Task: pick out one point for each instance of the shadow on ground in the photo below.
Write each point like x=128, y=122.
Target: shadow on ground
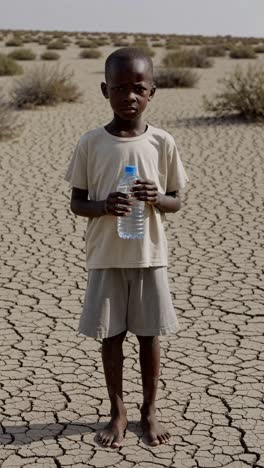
x=21, y=435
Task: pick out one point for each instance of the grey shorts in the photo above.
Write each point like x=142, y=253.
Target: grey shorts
x=134, y=299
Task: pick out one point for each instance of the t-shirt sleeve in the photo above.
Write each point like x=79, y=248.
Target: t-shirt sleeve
x=76, y=173
x=177, y=177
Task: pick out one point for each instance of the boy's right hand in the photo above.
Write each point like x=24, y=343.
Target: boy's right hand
x=118, y=204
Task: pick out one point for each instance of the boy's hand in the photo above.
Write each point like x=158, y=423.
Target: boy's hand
x=118, y=204
x=146, y=190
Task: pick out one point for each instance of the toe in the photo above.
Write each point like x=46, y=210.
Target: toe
x=117, y=442
x=154, y=442
x=105, y=440
x=110, y=441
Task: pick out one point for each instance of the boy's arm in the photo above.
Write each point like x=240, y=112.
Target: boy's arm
x=81, y=206
x=116, y=204
x=168, y=203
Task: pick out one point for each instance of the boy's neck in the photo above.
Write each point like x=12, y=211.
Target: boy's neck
x=126, y=128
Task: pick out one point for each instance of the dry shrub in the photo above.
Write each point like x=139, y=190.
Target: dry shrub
x=146, y=49
x=121, y=44
x=175, y=78
x=85, y=44
x=50, y=55
x=140, y=43
x=172, y=44
x=56, y=45
x=242, y=52
x=259, y=49
x=28, y=39
x=22, y=54
x=102, y=41
x=88, y=44
x=43, y=41
x=242, y=94
x=214, y=50
x=44, y=86
x=187, y=58
x=14, y=42
x=157, y=44
x=9, y=67
x=8, y=120
x=90, y=54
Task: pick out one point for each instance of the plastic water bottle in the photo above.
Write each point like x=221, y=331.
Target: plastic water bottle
x=132, y=225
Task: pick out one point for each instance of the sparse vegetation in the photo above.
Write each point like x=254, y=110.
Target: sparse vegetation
x=85, y=44
x=187, y=58
x=9, y=67
x=50, y=55
x=172, y=44
x=214, y=50
x=259, y=49
x=175, y=78
x=242, y=52
x=44, y=86
x=102, y=41
x=157, y=44
x=147, y=50
x=14, y=42
x=242, y=94
x=121, y=44
x=22, y=54
x=56, y=45
x=90, y=54
x=8, y=120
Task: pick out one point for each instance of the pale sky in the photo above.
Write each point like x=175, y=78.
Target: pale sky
x=207, y=17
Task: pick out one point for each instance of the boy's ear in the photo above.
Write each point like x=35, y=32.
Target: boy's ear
x=152, y=92
x=104, y=90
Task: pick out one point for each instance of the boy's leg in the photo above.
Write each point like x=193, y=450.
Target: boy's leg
x=149, y=355
x=112, y=356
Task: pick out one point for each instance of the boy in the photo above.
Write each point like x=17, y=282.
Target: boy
x=127, y=287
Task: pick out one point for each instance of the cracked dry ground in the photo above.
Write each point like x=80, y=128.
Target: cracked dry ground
x=52, y=390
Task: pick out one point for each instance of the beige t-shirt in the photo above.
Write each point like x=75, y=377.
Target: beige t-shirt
x=97, y=165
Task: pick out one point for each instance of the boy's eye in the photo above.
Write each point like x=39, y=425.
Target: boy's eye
x=140, y=89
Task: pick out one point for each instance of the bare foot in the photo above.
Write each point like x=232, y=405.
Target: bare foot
x=113, y=433
x=154, y=432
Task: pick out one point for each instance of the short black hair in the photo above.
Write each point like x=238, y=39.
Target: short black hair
x=125, y=55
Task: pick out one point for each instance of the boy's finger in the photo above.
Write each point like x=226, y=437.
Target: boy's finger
x=139, y=188
x=144, y=182
x=120, y=195
x=146, y=193
x=124, y=201
x=118, y=212
x=121, y=207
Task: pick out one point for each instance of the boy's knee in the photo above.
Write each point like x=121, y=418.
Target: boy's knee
x=147, y=340
x=115, y=340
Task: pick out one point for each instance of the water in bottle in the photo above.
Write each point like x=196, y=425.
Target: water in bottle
x=132, y=225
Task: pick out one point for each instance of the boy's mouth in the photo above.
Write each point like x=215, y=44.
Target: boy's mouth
x=128, y=109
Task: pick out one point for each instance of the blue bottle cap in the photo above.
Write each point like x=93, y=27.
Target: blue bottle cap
x=131, y=170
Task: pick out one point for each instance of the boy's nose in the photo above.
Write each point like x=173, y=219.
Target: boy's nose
x=130, y=97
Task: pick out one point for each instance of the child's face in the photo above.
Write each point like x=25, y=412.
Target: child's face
x=129, y=88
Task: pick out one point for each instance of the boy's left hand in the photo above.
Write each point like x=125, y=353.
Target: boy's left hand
x=146, y=190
